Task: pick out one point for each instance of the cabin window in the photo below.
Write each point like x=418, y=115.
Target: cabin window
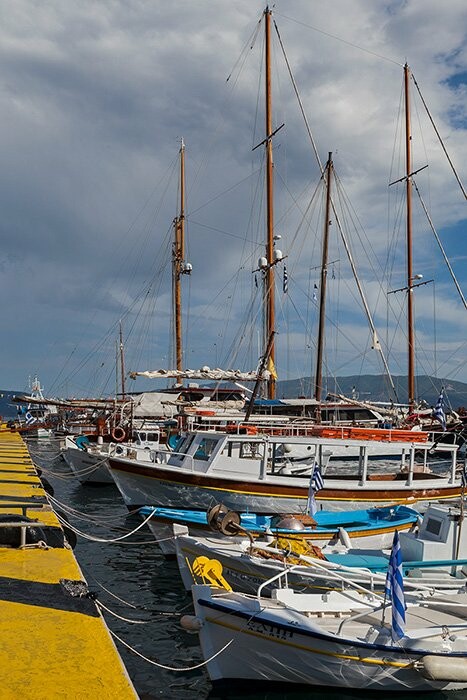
x=205, y=448
x=142, y=437
x=251, y=450
x=184, y=444
x=433, y=526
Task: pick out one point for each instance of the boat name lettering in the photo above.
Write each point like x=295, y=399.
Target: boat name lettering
x=269, y=630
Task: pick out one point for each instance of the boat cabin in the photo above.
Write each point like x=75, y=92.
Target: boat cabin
x=440, y=536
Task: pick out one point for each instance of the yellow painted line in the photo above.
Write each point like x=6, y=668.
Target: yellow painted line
x=321, y=652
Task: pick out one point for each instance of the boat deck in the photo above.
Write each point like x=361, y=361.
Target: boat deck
x=53, y=641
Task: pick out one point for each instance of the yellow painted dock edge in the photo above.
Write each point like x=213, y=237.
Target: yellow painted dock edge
x=53, y=641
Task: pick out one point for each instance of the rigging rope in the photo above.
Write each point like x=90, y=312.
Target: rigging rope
x=440, y=139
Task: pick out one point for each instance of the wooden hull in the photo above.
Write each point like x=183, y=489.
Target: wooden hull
x=174, y=487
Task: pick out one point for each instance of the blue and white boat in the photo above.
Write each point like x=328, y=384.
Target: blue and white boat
x=369, y=528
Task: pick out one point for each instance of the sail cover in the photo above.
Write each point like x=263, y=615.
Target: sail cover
x=223, y=375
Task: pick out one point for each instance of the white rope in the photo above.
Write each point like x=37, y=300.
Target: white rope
x=125, y=602
x=119, y=617
x=100, y=539
x=80, y=515
x=171, y=668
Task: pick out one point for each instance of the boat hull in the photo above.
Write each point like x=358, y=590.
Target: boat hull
x=278, y=649
x=88, y=468
x=173, y=487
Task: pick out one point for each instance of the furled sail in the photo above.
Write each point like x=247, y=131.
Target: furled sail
x=203, y=373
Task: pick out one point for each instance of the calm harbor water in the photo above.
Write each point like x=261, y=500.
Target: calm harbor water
x=135, y=571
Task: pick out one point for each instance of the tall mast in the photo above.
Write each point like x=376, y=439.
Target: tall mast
x=410, y=278
x=122, y=362
x=269, y=277
x=178, y=257
x=322, y=293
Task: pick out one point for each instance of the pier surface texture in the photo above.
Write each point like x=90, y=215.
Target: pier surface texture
x=54, y=643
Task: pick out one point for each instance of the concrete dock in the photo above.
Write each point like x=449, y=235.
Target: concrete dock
x=54, y=643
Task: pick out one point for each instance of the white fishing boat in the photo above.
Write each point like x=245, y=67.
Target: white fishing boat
x=338, y=639
x=88, y=459
x=251, y=473
x=433, y=555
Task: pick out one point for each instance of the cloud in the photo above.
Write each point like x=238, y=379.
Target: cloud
x=94, y=100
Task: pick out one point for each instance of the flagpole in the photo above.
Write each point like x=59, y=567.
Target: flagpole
x=461, y=513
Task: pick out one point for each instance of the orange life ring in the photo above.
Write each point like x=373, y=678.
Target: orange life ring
x=118, y=434
x=248, y=429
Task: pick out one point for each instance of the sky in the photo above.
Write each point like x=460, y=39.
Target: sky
x=94, y=101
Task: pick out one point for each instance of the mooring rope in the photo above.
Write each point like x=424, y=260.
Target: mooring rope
x=171, y=668
x=100, y=539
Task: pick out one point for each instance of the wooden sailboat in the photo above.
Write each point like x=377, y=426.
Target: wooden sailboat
x=241, y=464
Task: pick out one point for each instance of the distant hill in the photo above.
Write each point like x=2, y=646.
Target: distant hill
x=371, y=387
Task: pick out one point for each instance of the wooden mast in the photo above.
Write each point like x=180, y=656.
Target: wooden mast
x=410, y=278
x=178, y=257
x=269, y=276
x=122, y=362
x=322, y=291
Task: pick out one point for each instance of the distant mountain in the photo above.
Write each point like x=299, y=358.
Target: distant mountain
x=369, y=387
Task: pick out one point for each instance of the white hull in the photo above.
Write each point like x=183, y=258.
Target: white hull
x=280, y=645
x=172, y=487
x=88, y=468
x=245, y=572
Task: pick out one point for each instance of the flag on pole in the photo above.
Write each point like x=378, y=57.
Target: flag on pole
x=285, y=284
x=271, y=368
x=394, y=589
x=29, y=418
x=315, y=295
x=316, y=484
x=438, y=411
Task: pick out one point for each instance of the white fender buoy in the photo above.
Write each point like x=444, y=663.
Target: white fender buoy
x=443, y=668
x=344, y=538
x=191, y=623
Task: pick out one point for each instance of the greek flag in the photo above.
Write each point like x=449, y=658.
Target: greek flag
x=394, y=589
x=316, y=484
x=438, y=411
x=29, y=418
x=285, y=284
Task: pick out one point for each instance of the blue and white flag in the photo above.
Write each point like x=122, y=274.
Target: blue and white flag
x=316, y=484
x=394, y=589
x=29, y=418
x=285, y=284
x=438, y=411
